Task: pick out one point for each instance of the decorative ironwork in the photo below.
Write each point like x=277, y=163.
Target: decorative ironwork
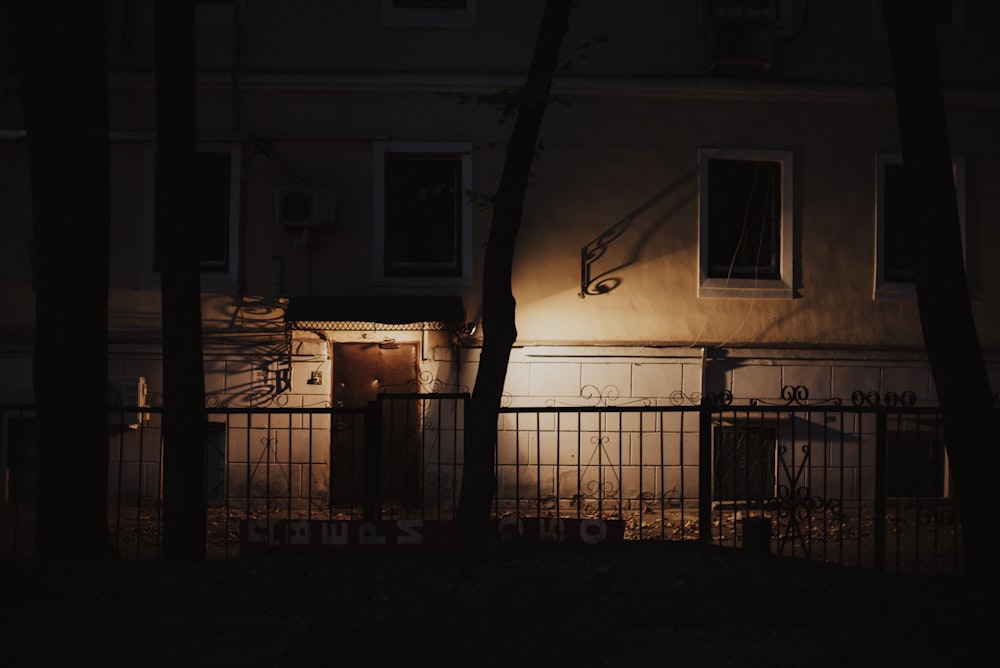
x=796, y=395
x=722, y=398
x=669, y=499
x=269, y=461
x=905, y=399
x=607, y=396
x=596, y=496
x=794, y=505
x=425, y=383
x=796, y=512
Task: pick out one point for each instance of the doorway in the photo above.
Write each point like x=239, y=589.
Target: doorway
x=390, y=472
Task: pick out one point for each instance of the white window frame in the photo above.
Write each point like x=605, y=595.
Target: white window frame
x=425, y=284
x=898, y=289
x=429, y=17
x=782, y=288
x=211, y=281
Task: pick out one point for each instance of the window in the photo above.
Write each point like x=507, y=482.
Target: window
x=216, y=212
x=429, y=13
x=744, y=463
x=915, y=465
x=895, y=246
x=745, y=241
x=423, y=220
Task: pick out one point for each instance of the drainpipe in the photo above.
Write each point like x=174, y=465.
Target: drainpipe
x=237, y=125
x=307, y=243
x=4, y=458
x=704, y=458
x=704, y=370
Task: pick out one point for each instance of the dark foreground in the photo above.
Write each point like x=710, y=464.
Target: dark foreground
x=626, y=605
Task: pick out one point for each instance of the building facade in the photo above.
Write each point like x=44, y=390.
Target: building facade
x=716, y=205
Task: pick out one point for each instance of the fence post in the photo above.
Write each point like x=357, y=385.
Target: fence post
x=705, y=470
x=371, y=509
x=4, y=455
x=881, y=449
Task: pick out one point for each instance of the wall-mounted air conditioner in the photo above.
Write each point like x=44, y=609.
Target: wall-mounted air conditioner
x=305, y=207
x=125, y=396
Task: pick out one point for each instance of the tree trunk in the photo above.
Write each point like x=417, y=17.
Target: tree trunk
x=499, y=329
x=59, y=49
x=184, y=428
x=971, y=426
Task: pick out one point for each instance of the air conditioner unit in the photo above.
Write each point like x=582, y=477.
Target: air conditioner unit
x=305, y=207
x=125, y=395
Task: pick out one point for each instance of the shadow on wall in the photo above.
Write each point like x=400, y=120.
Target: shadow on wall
x=605, y=281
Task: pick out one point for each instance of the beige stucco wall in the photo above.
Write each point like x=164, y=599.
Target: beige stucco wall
x=625, y=147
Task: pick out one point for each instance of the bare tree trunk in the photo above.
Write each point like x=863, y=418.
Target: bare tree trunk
x=63, y=84
x=499, y=329
x=184, y=428
x=971, y=426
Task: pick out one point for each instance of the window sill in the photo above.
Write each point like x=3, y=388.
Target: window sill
x=744, y=288
x=896, y=291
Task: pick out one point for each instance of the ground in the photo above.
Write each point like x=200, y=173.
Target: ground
x=626, y=605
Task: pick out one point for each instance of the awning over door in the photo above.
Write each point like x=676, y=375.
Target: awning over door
x=376, y=312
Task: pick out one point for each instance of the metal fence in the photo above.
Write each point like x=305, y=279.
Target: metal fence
x=865, y=484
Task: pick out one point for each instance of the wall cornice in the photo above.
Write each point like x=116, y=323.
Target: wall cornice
x=666, y=88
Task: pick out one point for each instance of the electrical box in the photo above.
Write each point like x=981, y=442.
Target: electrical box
x=311, y=368
x=125, y=396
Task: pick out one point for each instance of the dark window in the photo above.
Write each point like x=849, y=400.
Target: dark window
x=744, y=219
x=211, y=210
x=423, y=215
x=915, y=466
x=899, y=245
x=744, y=463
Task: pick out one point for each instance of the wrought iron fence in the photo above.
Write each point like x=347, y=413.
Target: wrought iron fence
x=862, y=484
